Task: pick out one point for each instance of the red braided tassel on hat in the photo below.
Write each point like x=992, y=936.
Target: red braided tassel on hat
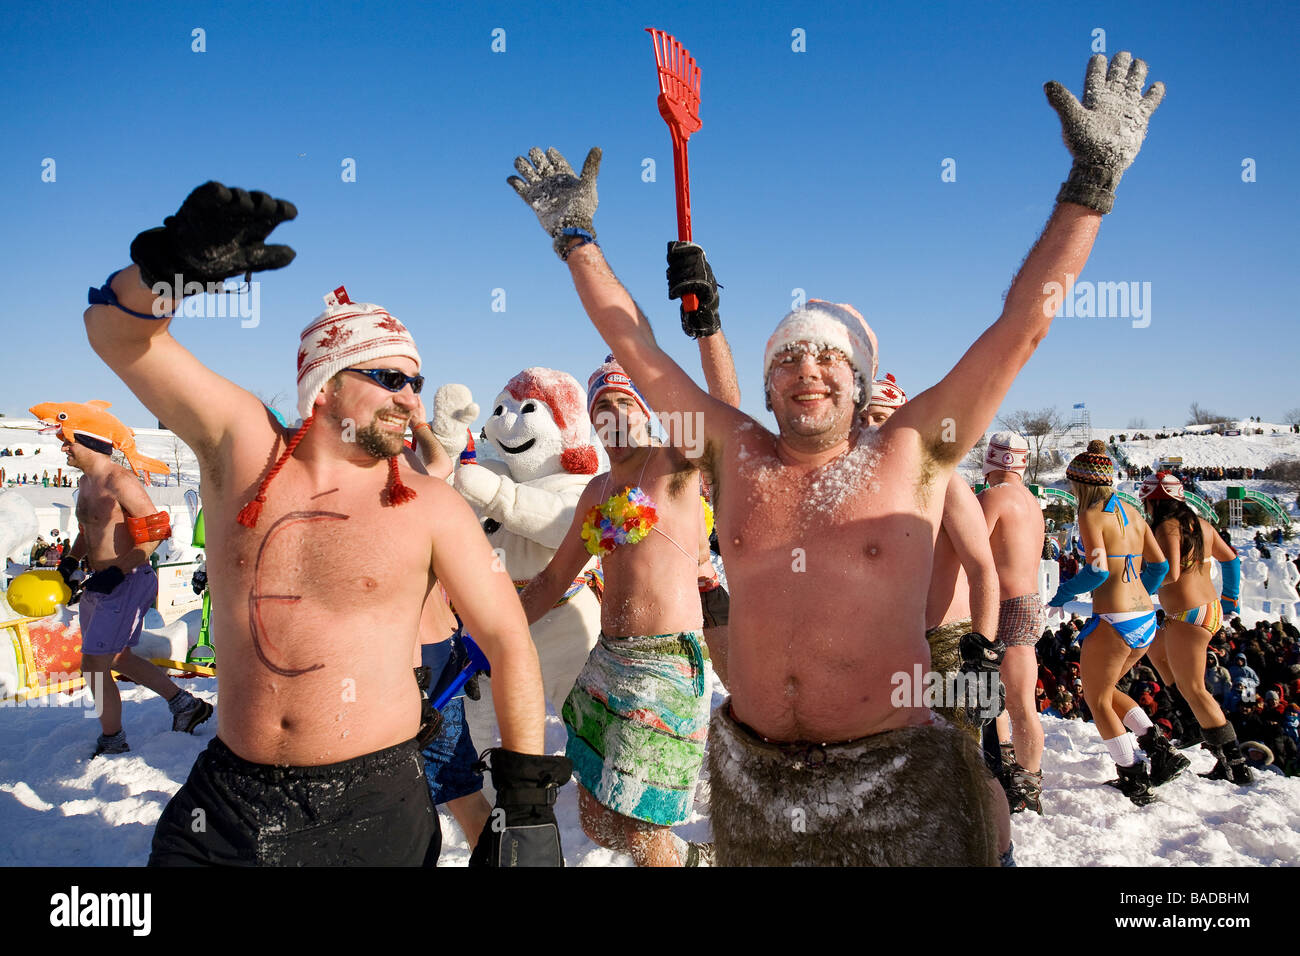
x=249, y=514
x=398, y=493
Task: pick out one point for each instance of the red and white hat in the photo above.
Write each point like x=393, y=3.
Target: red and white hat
x=564, y=397
x=887, y=393
x=1161, y=485
x=828, y=325
x=1007, y=451
x=347, y=333
x=343, y=335
x=611, y=377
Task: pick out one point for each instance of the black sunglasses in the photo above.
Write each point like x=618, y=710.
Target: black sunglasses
x=391, y=378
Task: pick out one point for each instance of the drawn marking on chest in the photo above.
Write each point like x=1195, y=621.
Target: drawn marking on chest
x=255, y=598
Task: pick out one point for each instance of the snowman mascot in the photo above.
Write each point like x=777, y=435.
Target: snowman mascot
x=540, y=428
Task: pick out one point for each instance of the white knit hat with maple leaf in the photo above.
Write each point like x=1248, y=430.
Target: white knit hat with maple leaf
x=347, y=333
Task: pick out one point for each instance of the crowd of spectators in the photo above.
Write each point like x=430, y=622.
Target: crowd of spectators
x=1254, y=674
x=47, y=554
x=44, y=479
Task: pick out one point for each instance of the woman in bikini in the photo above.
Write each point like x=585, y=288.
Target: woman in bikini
x=1193, y=613
x=638, y=715
x=1123, y=622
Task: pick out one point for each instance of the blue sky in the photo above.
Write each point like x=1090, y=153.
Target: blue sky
x=817, y=170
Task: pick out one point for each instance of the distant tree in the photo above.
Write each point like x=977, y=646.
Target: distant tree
x=1037, y=427
x=1136, y=424
x=178, y=448
x=274, y=401
x=1286, y=471
x=975, y=457
x=1196, y=415
x=1290, y=417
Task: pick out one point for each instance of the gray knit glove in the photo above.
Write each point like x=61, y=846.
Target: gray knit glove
x=1105, y=132
x=564, y=202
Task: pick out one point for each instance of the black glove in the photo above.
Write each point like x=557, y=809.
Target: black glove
x=978, y=653
x=217, y=233
x=472, y=689
x=430, y=717
x=199, y=582
x=522, y=830
x=980, y=657
x=104, y=582
x=689, y=273
x=67, y=568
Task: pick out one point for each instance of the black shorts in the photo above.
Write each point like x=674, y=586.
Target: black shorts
x=373, y=810
x=715, y=603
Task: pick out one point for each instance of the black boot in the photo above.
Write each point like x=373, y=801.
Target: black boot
x=1230, y=764
x=1025, y=791
x=1135, y=783
x=1192, y=733
x=1166, y=762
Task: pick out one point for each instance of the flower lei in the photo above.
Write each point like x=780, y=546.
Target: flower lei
x=625, y=518
x=708, y=515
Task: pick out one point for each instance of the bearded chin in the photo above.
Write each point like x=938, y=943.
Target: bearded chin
x=379, y=443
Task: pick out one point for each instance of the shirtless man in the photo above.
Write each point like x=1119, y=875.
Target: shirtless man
x=962, y=604
x=324, y=571
x=119, y=529
x=639, y=710
x=1015, y=530
x=963, y=581
x=829, y=531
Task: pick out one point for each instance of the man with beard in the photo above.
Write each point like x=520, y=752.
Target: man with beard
x=322, y=579
x=829, y=530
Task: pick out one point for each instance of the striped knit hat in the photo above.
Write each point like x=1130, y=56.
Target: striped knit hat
x=611, y=377
x=344, y=335
x=1092, y=467
x=1007, y=451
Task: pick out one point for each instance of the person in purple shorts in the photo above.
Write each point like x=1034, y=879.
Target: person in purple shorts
x=119, y=529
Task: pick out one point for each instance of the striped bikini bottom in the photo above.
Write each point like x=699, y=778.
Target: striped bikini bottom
x=1208, y=616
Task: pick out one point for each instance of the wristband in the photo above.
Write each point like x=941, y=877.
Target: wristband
x=572, y=232
x=104, y=295
x=155, y=527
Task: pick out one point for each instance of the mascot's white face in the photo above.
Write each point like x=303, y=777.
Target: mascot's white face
x=526, y=436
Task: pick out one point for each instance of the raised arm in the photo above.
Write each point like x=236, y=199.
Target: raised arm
x=433, y=457
x=1103, y=133
x=216, y=234
x=689, y=273
x=565, y=204
x=963, y=519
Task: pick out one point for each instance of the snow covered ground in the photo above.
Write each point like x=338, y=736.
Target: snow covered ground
x=57, y=808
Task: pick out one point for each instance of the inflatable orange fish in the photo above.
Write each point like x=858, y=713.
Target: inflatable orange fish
x=91, y=420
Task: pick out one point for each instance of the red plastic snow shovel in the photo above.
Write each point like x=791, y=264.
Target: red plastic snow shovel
x=679, y=105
